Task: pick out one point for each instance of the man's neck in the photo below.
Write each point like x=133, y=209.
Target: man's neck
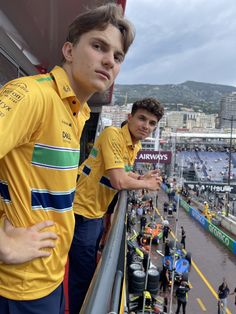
x=133, y=139
x=82, y=95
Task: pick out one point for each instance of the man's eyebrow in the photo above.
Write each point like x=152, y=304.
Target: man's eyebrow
x=143, y=116
x=101, y=40
x=107, y=45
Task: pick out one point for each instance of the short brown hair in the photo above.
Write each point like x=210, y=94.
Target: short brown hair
x=152, y=105
x=99, y=18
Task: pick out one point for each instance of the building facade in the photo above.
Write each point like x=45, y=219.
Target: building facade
x=228, y=111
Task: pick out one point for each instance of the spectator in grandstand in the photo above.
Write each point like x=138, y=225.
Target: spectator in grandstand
x=107, y=169
x=41, y=122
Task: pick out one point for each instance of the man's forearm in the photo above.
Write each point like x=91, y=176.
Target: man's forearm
x=134, y=175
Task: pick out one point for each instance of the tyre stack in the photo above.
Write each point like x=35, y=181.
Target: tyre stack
x=136, y=278
x=153, y=280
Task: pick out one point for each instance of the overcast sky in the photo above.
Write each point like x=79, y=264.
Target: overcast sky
x=180, y=40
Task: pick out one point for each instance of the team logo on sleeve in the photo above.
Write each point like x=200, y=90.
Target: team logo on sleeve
x=13, y=95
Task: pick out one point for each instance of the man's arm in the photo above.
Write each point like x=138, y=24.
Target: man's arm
x=121, y=180
x=145, y=176
x=19, y=245
x=111, y=146
x=27, y=112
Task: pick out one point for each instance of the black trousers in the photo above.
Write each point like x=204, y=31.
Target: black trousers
x=179, y=305
x=183, y=242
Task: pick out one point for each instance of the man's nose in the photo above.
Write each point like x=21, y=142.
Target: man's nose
x=145, y=124
x=108, y=60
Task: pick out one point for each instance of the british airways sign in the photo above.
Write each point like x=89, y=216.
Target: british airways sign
x=154, y=156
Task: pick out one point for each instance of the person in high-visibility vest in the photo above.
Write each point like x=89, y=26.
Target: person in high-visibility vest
x=206, y=208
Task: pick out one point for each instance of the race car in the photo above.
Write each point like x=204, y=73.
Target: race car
x=152, y=231
x=178, y=261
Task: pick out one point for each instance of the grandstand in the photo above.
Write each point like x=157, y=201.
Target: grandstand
x=208, y=166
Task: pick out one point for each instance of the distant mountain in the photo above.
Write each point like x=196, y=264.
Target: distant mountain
x=196, y=95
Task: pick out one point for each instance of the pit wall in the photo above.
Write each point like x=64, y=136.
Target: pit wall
x=207, y=225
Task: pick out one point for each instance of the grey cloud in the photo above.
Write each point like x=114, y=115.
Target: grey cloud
x=181, y=40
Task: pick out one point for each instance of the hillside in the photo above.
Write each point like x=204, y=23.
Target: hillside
x=196, y=95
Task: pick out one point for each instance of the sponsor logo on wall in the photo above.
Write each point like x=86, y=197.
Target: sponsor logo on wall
x=219, y=188
x=219, y=234
x=153, y=156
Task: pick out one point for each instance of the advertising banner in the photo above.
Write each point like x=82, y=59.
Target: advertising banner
x=213, y=187
x=185, y=205
x=154, y=156
x=199, y=217
x=221, y=236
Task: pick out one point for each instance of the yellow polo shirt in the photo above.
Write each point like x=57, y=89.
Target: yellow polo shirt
x=94, y=192
x=41, y=122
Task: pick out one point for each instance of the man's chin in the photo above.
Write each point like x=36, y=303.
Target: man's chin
x=100, y=88
x=141, y=138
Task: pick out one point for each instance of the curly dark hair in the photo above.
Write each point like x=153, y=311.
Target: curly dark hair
x=152, y=105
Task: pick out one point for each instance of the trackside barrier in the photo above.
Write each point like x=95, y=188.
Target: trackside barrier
x=210, y=227
x=214, y=230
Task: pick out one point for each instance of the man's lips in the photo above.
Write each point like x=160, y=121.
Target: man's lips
x=103, y=73
x=143, y=133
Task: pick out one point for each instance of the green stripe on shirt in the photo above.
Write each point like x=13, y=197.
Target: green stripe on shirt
x=55, y=158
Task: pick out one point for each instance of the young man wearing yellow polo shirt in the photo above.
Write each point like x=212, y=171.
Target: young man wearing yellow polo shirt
x=107, y=169
x=41, y=121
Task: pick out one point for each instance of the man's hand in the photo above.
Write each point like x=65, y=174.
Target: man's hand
x=19, y=245
x=151, y=173
x=153, y=182
x=153, y=179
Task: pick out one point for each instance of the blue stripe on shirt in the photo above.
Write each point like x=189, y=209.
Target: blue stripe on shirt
x=51, y=200
x=4, y=192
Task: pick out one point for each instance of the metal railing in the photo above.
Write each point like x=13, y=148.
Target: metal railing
x=102, y=293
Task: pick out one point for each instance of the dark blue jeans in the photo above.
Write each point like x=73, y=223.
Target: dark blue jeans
x=82, y=259
x=54, y=303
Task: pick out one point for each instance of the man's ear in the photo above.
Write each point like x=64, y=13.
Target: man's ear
x=67, y=51
x=129, y=116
